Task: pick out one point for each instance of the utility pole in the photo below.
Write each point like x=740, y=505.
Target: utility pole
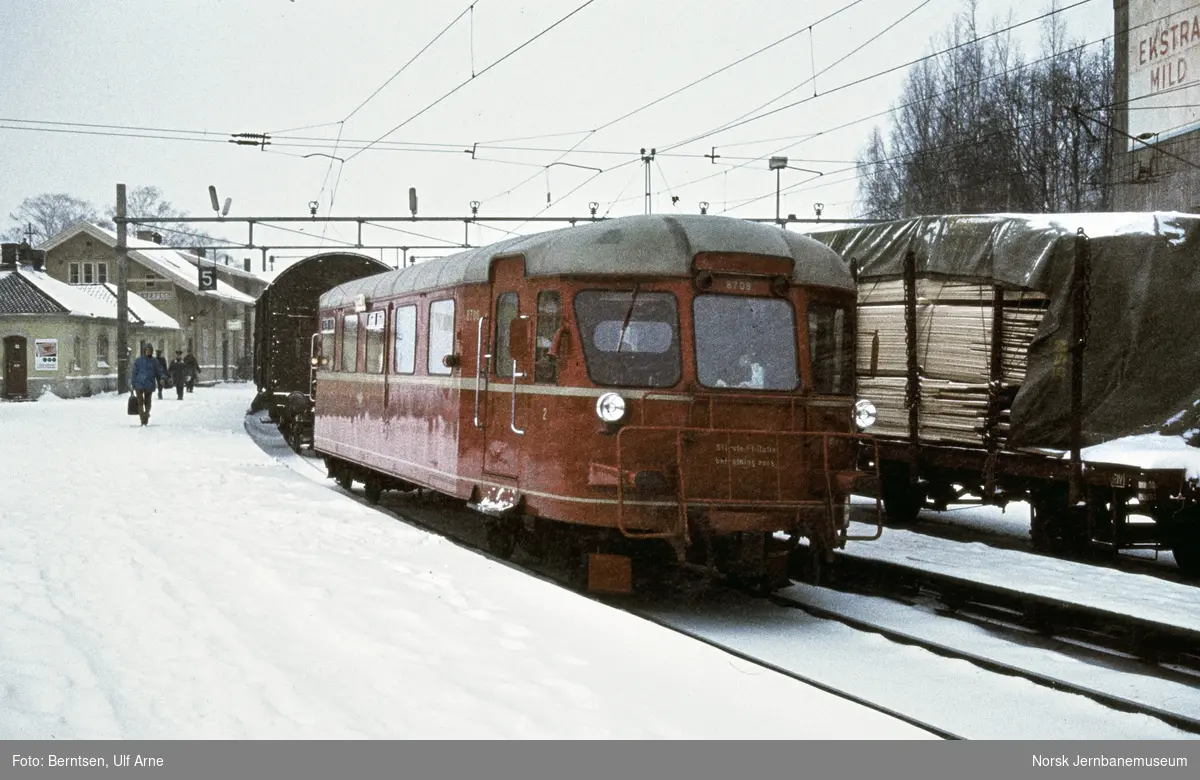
x=647, y=159
x=122, y=295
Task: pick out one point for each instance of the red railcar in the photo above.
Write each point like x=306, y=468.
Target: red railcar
x=652, y=381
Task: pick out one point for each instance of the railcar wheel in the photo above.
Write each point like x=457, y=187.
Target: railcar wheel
x=344, y=478
x=501, y=540
x=374, y=489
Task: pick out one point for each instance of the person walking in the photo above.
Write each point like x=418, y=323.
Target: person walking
x=162, y=363
x=193, y=366
x=179, y=372
x=143, y=379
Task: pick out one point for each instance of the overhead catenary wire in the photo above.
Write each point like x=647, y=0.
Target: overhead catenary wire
x=810, y=136
x=744, y=121
x=474, y=76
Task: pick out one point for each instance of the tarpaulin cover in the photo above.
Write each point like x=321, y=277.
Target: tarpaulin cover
x=1141, y=365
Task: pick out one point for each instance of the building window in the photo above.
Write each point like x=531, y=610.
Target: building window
x=406, y=339
x=102, y=351
x=89, y=273
x=349, y=342
x=73, y=273
x=102, y=273
x=441, y=335
x=77, y=348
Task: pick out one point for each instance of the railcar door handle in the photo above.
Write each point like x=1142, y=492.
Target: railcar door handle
x=512, y=423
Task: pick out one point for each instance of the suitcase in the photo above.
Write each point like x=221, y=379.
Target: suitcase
x=133, y=405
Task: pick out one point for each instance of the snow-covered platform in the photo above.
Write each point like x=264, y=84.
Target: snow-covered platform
x=177, y=581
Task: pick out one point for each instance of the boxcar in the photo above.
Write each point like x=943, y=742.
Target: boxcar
x=670, y=382
x=284, y=317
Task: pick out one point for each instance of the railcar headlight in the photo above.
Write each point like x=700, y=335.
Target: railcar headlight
x=864, y=414
x=610, y=408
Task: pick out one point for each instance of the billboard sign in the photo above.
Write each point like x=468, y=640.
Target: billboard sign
x=1164, y=69
x=45, y=354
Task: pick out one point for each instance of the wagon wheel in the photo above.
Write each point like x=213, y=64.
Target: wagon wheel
x=1055, y=528
x=501, y=539
x=1187, y=552
x=374, y=489
x=902, y=500
x=344, y=477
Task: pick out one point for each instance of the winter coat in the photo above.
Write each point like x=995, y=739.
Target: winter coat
x=146, y=373
x=192, y=364
x=179, y=371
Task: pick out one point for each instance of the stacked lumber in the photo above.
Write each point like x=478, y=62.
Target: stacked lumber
x=954, y=336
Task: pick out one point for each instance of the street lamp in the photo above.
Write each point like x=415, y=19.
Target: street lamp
x=777, y=164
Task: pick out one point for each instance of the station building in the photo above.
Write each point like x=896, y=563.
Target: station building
x=216, y=326
x=62, y=338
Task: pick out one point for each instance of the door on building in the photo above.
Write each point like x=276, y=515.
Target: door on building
x=15, y=367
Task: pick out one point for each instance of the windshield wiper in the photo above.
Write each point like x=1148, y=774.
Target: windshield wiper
x=628, y=314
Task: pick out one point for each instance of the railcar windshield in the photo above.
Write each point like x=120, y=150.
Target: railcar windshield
x=831, y=341
x=745, y=342
x=630, y=338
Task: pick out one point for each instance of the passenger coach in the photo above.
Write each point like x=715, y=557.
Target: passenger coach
x=671, y=381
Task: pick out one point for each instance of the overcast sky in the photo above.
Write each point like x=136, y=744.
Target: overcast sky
x=305, y=71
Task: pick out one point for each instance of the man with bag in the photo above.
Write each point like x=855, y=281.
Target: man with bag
x=193, y=366
x=143, y=380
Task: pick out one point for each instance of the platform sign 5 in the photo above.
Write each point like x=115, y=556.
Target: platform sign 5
x=208, y=279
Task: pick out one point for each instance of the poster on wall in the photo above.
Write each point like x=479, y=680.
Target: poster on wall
x=45, y=354
x=1164, y=69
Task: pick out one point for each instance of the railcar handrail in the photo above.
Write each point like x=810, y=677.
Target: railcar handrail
x=512, y=422
x=478, y=366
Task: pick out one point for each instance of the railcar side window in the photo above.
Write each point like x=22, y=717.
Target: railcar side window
x=328, y=341
x=831, y=341
x=349, y=342
x=549, y=317
x=406, y=339
x=507, y=309
x=441, y=335
x=745, y=342
x=630, y=338
x=374, y=346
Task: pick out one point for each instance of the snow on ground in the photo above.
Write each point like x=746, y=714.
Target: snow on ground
x=1112, y=590
x=176, y=581
x=958, y=695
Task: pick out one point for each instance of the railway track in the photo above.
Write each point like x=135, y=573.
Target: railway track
x=957, y=598
x=962, y=611
x=1119, y=561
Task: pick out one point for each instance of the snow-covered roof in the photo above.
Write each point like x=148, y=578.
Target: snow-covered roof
x=139, y=308
x=170, y=263
x=95, y=300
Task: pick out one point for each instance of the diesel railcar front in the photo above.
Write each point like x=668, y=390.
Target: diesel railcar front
x=675, y=382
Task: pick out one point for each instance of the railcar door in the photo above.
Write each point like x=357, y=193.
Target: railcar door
x=506, y=405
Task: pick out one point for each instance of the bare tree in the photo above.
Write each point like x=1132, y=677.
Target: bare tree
x=47, y=215
x=148, y=202
x=978, y=129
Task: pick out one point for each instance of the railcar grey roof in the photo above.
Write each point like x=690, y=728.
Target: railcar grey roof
x=645, y=245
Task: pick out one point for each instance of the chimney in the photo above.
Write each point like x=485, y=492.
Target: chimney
x=8, y=256
x=247, y=262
